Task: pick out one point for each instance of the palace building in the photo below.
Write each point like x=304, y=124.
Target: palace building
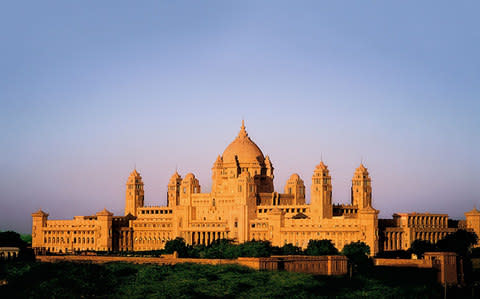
x=243, y=205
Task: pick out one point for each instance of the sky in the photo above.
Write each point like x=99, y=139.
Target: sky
x=91, y=89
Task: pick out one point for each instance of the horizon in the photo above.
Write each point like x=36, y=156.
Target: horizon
x=90, y=91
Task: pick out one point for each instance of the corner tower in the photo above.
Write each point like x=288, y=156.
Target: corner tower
x=361, y=188
x=296, y=187
x=321, y=192
x=173, y=194
x=134, y=194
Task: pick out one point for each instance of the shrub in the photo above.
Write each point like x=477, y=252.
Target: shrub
x=419, y=247
x=321, y=247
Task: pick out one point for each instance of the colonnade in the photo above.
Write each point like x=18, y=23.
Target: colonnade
x=432, y=237
x=393, y=241
x=205, y=237
x=428, y=221
x=125, y=241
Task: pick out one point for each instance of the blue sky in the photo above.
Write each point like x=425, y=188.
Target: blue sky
x=90, y=89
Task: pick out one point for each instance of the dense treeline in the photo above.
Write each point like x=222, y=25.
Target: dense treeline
x=460, y=242
x=226, y=249
x=120, y=280
x=14, y=239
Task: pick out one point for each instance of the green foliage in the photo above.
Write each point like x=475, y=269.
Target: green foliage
x=255, y=249
x=320, y=247
x=287, y=249
x=11, y=238
x=394, y=254
x=178, y=245
x=122, y=280
x=219, y=249
x=459, y=242
x=419, y=247
x=358, y=255
x=27, y=238
x=356, y=249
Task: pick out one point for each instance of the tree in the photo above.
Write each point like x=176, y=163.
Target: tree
x=459, y=242
x=419, y=247
x=290, y=249
x=178, y=245
x=320, y=247
x=11, y=238
x=14, y=239
x=256, y=249
x=358, y=255
x=222, y=248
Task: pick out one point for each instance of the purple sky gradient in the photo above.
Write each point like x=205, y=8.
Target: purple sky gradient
x=89, y=90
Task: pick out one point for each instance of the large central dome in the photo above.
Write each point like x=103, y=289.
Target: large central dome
x=243, y=149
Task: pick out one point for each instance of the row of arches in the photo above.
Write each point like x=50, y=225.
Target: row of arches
x=75, y=240
x=8, y=255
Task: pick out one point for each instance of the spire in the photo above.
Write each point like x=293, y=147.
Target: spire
x=243, y=132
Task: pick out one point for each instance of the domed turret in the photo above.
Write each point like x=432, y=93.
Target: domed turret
x=173, y=194
x=361, y=169
x=321, y=166
x=294, y=177
x=361, y=188
x=134, y=178
x=296, y=187
x=134, y=193
x=321, y=192
x=189, y=176
x=175, y=176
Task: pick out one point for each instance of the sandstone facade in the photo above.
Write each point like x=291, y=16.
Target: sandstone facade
x=242, y=205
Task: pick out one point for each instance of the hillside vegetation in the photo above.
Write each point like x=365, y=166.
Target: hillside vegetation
x=119, y=280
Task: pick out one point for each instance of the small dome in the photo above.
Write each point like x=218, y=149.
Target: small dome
x=321, y=166
x=244, y=149
x=294, y=177
x=134, y=178
x=189, y=176
x=175, y=176
x=135, y=173
x=361, y=167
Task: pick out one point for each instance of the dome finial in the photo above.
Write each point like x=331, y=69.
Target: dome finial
x=243, y=131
